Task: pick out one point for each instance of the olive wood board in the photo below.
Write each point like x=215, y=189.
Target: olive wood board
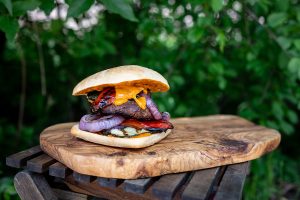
x=195, y=143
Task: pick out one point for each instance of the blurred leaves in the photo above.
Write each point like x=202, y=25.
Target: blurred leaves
x=294, y=66
x=276, y=19
x=221, y=40
x=21, y=7
x=284, y=42
x=7, y=189
x=297, y=44
x=217, y=5
x=262, y=183
x=9, y=26
x=78, y=7
x=47, y=6
x=121, y=7
x=8, y=5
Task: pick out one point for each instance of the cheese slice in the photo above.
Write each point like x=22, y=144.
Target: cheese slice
x=124, y=93
x=142, y=135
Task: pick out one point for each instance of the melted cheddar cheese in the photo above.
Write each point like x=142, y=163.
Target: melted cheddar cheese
x=142, y=135
x=124, y=93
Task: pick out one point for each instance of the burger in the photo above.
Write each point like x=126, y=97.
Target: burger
x=123, y=113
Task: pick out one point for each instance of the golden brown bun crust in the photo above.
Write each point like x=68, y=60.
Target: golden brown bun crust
x=124, y=75
x=119, y=142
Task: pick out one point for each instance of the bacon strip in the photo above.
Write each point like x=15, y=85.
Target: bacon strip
x=147, y=124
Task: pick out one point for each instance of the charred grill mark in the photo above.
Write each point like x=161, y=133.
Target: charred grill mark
x=104, y=98
x=92, y=96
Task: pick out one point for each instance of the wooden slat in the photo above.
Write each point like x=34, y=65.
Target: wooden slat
x=167, y=185
x=33, y=186
x=138, y=185
x=249, y=168
x=59, y=170
x=239, y=168
x=19, y=159
x=68, y=195
x=232, y=183
x=201, y=184
x=109, y=182
x=40, y=164
x=83, y=178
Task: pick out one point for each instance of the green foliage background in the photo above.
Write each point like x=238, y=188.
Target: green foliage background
x=232, y=57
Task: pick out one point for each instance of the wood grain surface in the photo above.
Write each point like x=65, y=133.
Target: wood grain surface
x=195, y=143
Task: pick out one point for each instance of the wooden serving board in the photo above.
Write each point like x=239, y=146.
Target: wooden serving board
x=195, y=143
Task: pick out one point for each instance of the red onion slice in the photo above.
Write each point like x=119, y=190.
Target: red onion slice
x=95, y=123
x=152, y=107
x=166, y=116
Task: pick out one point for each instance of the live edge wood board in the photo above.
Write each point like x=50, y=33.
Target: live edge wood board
x=195, y=143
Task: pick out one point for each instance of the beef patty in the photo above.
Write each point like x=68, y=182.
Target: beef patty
x=129, y=109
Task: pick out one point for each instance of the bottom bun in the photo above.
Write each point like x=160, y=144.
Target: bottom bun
x=119, y=142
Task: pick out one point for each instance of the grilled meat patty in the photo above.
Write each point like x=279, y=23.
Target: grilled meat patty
x=129, y=109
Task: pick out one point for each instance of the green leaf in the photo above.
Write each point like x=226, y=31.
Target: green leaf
x=194, y=35
x=77, y=7
x=284, y=42
x=297, y=44
x=9, y=26
x=298, y=15
x=292, y=116
x=47, y=6
x=272, y=124
x=283, y=60
x=286, y=127
x=276, y=19
x=8, y=6
x=216, y=5
x=294, y=66
x=277, y=110
x=222, y=83
x=221, y=40
x=282, y=5
x=120, y=7
x=216, y=69
x=21, y=7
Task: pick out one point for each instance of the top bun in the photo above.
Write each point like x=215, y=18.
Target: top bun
x=129, y=75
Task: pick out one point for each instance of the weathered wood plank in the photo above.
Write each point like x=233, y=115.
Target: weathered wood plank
x=19, y=159
x=239, y=168
x=68, y=195
x=138, y=186
x=59, y=170
x=232, y=183
x=83, y=178
x=201, y=184
x=33, y=186
x=96, y=190
x=109, y=182
x=167, y=185
x=40, y=164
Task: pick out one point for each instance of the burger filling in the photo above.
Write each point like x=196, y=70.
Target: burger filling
x=124, y=111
